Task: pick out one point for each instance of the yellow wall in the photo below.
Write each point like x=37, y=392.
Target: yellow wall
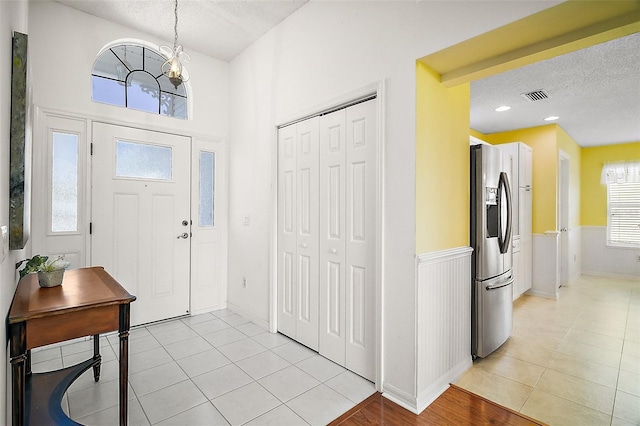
x=574, y=151
x=543, y=141
x=593, y=196
x=442, y=163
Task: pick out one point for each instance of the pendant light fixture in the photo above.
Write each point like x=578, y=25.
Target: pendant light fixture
x=172, y=67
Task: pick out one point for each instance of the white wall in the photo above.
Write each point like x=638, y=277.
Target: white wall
x=13, y=17
x=324, y=51
x=64, y=43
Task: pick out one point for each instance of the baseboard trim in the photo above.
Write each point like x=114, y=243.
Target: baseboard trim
x=246, y=314
x=608, y=275
x=400, y=397
x=546, y=295
x=436, y=389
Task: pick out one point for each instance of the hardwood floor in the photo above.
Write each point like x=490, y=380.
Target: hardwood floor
x=455, y=406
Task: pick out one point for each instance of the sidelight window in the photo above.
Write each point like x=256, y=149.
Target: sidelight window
x=64, y=182
x=207, y=185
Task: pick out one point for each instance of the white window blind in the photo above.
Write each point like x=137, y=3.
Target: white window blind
x=623, y=224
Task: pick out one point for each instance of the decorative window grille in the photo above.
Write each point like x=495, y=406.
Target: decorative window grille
x=130, y=76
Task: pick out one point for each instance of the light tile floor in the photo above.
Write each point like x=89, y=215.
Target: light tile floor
x=210, y=369
x=571, y=361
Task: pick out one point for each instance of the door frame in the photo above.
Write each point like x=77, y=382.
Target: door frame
x=564, y=178
x=377, y=89
x=38, y=237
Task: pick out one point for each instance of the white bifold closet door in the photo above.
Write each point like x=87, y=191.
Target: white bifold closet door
x=333, y=282
x=298, y=231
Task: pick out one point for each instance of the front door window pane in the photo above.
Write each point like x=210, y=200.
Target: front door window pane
x=64, y=183
x=207, y=187
x=143, y=161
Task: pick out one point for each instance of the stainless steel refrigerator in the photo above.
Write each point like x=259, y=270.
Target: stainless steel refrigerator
x=491, y=261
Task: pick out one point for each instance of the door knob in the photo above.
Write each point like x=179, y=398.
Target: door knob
x=183, y=235
x=304, y=245
x=334, y=251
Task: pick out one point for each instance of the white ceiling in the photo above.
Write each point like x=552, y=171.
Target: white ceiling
x=595, y=91
x=218, y=28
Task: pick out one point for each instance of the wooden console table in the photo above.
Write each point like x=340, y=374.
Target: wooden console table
x=88, y=302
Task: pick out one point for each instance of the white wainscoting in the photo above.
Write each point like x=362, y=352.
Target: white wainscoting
x=599, y=259
x=443, y=321
x=546, y=268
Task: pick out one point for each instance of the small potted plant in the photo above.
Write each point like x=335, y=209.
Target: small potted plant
x=50, y=272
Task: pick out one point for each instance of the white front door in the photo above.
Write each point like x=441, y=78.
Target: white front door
x=140, y=217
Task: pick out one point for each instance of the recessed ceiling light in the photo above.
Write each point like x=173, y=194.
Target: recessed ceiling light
x=551, y=118
x=503, y=108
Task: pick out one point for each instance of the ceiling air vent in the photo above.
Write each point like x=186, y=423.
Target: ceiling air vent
x=536, y=95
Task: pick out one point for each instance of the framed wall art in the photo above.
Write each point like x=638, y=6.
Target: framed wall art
x=18, y=190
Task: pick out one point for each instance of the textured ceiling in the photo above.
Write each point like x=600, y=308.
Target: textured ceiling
x=220, y=29
x=594, y=91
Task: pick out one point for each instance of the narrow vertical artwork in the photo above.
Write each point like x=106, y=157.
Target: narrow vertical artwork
x=17, y=237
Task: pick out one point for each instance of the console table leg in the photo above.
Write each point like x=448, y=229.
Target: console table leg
x=124, y=362
x=27, y=364
x=96, y=357
x=18, y=354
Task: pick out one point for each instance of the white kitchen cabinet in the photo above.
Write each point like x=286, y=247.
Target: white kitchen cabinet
x=522, y=191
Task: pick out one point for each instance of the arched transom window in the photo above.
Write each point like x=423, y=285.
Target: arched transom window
x=131, y=76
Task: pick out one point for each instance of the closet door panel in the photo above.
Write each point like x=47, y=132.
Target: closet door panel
x=360, y=245
x=307, y=135
x=287, y=230
x=332, y=236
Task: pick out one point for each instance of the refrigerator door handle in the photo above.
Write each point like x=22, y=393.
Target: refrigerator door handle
x=504, y=240
x=500, y=285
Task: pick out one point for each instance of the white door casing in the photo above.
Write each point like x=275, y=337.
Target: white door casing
x=137, y=230
x=563, y=216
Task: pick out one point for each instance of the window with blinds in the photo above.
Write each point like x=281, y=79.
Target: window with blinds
x=623, y=222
